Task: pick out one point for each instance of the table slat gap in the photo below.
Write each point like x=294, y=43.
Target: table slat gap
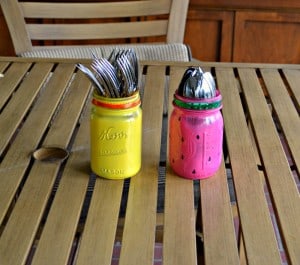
x=17, y=158
x=293, y=79
x=11, y=79
x=63, y=217
x=21, y=102
x=35, y=194
x=220, y=245
x=140, y=221
x=272, y=152
x=285, y=110
x=179, y=238
x=3, y=66
x=260, y=241
x=61, y=205
x=102, y=220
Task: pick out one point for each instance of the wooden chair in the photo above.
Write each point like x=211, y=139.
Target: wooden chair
x=39, y=28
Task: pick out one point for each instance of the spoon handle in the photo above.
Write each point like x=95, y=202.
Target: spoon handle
x=92, y=78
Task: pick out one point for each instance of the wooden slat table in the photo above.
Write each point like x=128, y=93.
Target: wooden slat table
x=60, y=213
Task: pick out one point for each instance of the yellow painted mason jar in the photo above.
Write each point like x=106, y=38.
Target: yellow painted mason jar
x=116, y=136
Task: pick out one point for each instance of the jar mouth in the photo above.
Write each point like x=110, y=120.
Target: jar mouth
x=198, y=104
x=116, y=103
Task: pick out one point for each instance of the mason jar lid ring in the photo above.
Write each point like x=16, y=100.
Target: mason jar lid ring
x=125, y=105
x=116, y=103
x=198, y=105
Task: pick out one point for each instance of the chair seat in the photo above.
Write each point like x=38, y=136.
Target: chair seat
x=157, y=52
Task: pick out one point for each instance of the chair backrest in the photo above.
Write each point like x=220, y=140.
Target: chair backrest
x=31, y=23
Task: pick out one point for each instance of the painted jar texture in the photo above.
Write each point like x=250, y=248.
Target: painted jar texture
x=196, y=136
x=116, y=136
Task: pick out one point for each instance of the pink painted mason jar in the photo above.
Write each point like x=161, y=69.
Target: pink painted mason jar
x=196, y=136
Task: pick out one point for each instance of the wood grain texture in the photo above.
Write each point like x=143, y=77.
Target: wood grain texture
x=58, y=233
x=253, y=208
x=217, y=219
x=272, y=151
x=36, y=192
x=101, y=224
x=179, y=219
x=97, y=31
x=13, y=76
x=96, y=10
x=293, y=79
x=42, y=219
x=67, y=21
x=21, y=102
x=140, y=221
x=262, y=37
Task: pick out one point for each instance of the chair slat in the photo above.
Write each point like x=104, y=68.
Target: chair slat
x=165, y=19
x=16, y=25
x=177, y=17
x=96, y=10
x=97, y=31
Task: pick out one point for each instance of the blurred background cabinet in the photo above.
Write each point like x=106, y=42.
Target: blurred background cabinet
x=266, y=31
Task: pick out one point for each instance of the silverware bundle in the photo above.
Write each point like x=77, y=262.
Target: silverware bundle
x=197, y=84
x=117, y=76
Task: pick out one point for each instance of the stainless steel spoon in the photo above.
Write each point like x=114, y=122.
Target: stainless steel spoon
x=92, y=78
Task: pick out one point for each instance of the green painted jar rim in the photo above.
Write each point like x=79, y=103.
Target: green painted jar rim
x=198, y=104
